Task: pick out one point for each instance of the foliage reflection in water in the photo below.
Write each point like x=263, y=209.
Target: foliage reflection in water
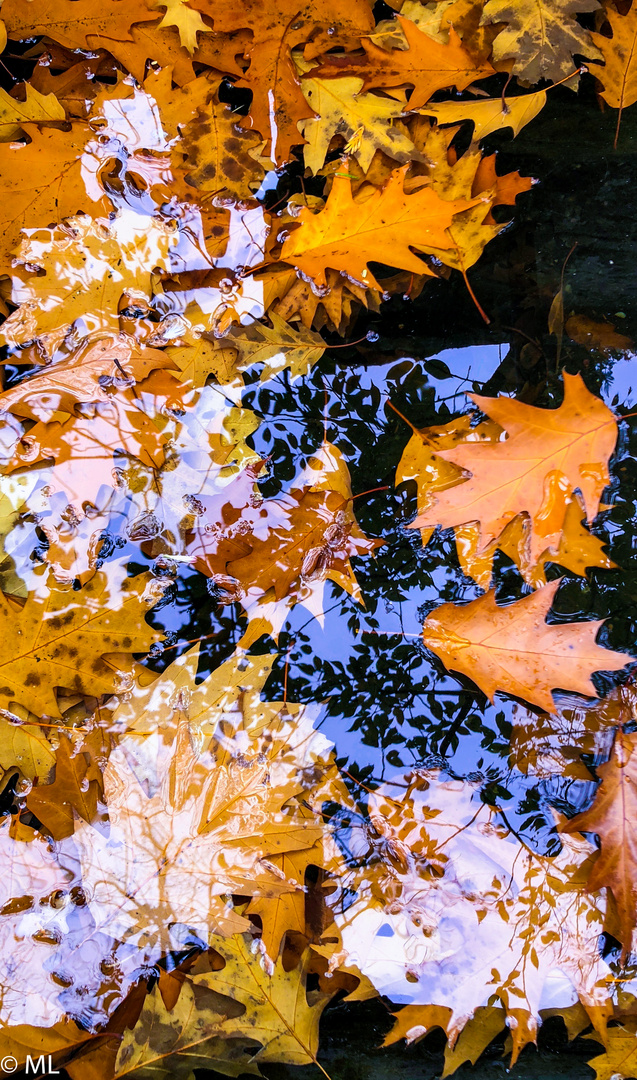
x=316, y=678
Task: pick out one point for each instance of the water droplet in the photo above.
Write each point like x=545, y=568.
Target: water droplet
x=372, y=335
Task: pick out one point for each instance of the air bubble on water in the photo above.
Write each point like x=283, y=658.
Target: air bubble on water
x=372, y=335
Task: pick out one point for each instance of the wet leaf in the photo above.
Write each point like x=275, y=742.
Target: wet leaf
x=75, y=790
x=54, y=642
x=362, y=120
x=277, y=347
x=618, y=76
x=541, y=36
x=610, y=817
x=71, y=22
x=514, y=650
x=91, y=373
x=89, y=265
x=427, y=65
x=383, y=227
x=620, y=1058
x=553, y=449
x=490, y=115
x=37, y=107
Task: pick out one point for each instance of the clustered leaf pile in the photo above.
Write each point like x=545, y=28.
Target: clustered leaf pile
x=173, y=891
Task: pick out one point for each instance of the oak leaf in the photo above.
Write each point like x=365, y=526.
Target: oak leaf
x=72, y=22
x=188, y=22
x=89, y=265
x=618, y=76
x=576, y=550
x=36, y=108
x=24, y=746
x=42, y=181
x=215, y=155
x=610, y=817
x=278, y=103
x=514, y=650
x=546, y=449
x=277, y=347
x=51, y=642
x=427, y=65
x=489, y=115
x=471, y=177
x=265, y=1006
x=541, y=36
x=75, y=789
x=207, y=358
x=169, y=1040
x=362, y=120
x=89, y=374
x=619, y=1061
x=382, y=227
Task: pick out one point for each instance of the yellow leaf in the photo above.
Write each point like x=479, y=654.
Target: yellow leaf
x=37, y=107
x=188, y=22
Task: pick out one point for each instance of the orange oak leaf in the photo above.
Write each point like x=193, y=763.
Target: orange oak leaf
x=427, y=65
x=41, y=182
x=612, y=816
x=514, y=650
x=91, y=373
x=147, y=41
x=52, y=642
x=381, y=226
x=576, y=550
x=547, y=451
x=71, y=22
x=618, y=76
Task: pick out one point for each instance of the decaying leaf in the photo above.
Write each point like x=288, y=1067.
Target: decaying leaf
x=51, y=642
x=541, y=36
